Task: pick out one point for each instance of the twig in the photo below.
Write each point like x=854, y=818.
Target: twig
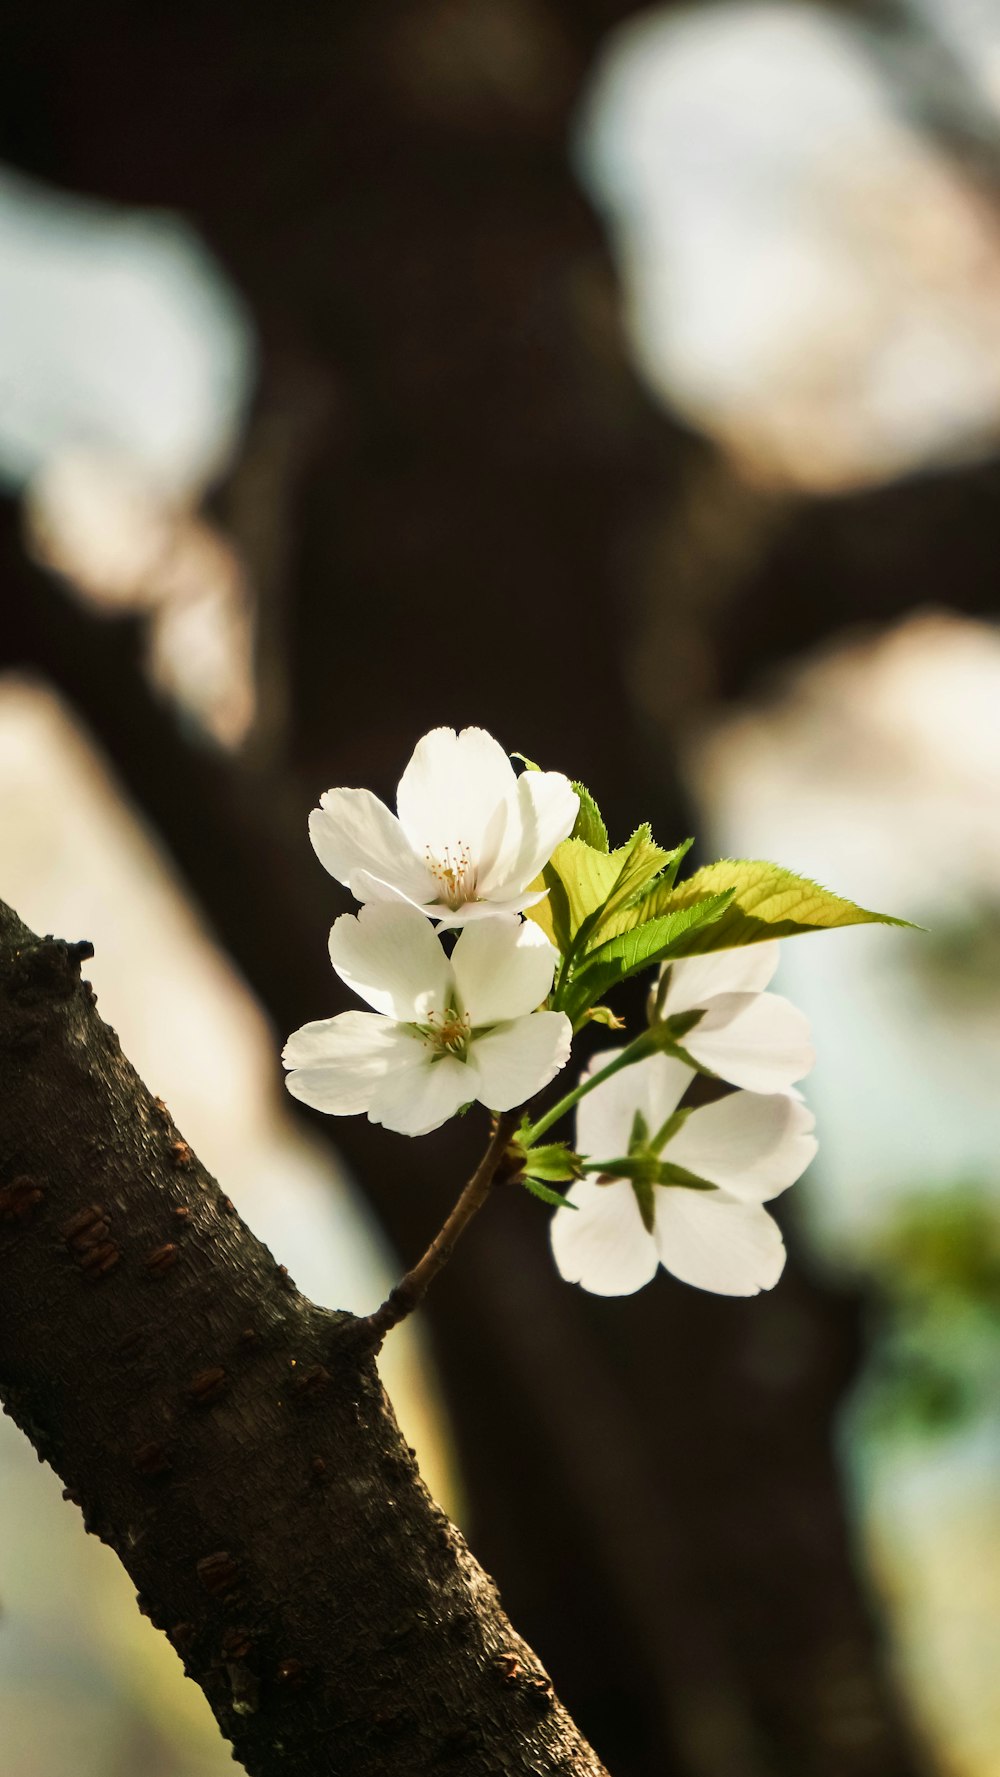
x=411, y=1290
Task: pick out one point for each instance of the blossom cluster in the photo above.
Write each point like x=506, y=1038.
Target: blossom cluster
x=494, y=918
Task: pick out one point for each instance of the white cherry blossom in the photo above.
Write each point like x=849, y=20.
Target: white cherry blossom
x=468, y=837
x=749, y=1146
x=443, y=1030
x=751, y=1038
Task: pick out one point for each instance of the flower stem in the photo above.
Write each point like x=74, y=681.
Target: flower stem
x=411, y=1290
x=641, y=1046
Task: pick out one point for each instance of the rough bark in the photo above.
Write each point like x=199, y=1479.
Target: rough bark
x=230, y=1440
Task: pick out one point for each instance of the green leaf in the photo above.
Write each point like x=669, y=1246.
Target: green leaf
x=640, y=948
x=766, y=901
x=589, y=825
x=587, y=887
x=529, y=764
x=545, y=1192
x=651, y=900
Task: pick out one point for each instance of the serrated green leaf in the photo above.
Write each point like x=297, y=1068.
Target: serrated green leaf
x=545, y=1193
x=589, y=825
x=767, y=901
x=650, y=901
x=641, y=948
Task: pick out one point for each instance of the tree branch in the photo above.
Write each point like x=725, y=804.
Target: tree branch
x=230, y=1440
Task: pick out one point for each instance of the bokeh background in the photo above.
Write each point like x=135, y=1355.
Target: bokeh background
x=627, y=381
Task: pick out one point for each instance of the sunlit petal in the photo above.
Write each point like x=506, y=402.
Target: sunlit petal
x=352, y=830
x=503, y=967
x=449, y=793
x=516, y=1060
x=338, y=1063
x=546, y=809
x=393, y=959
x=602, y=1243
x=715, y=1243
x=415, y=1101
x=751, y=1144
x=757, y=1040
x=694, y=980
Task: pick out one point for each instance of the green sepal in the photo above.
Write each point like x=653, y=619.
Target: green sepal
x=545, y=1193
x=555, y=1163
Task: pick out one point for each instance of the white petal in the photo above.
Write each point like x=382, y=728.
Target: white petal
x=544, y=813
x=707, y=1239
x=423, y=1098
x=393, y=959
x=450, y=791
x=753, y=1145
x=503, y=967
x=602, y=1244
x=694, y=980
x=473, y=911
x=516, y=1060
x=757, y=1040
x=338, y=1063
x=604, y=1120
x=353, y=832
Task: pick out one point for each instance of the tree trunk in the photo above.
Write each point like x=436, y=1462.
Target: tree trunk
x=228, y=1439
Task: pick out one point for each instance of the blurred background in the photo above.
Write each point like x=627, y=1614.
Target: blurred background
x=628, y=382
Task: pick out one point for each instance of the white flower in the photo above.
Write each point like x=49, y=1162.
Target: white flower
x=749, y=1146
x=468, y=838
x=750, y=1038
x=443, y=1031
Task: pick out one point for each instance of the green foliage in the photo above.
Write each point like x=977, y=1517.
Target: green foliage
x=766, y=901
x=553, y=1164
x=641, y=947
x=589, y=823
x=545, y=1193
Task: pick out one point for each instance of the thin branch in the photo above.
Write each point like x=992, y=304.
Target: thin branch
x=411, y=1290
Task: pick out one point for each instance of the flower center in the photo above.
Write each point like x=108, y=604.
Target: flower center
x=455, y=872
x=448, y=1034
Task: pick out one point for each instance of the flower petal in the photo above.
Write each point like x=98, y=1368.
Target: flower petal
x=604, y=1120
x=751, y=1144
x=757, y=1040
x=352, y=831
x=474, y=911
x=450, y=791
x=417, y=1100
x=393, y=959
x=516, y=1060
x=503, y=967
x=707, y=1239
x=694, y=980
x=543, y=815
x=338, y=1063
x=602, y=1244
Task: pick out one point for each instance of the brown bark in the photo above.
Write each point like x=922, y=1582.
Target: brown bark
x=230, y=1440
